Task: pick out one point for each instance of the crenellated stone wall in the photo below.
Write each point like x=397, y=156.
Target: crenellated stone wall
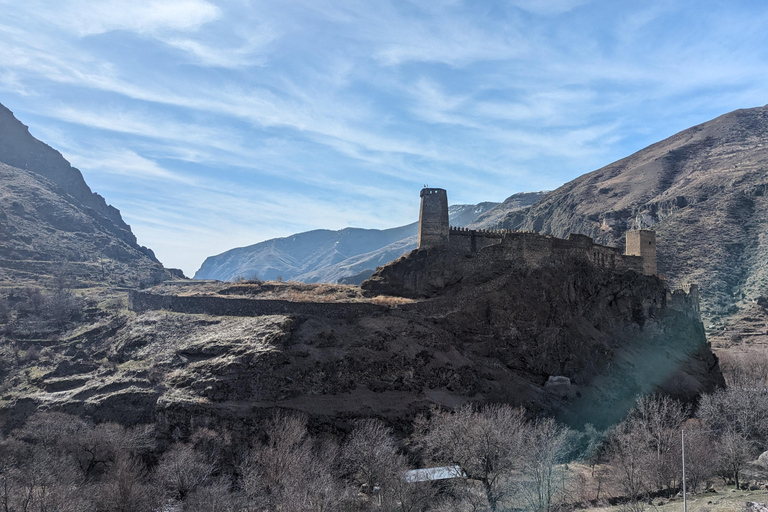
x=527, y=247
x=535, y=250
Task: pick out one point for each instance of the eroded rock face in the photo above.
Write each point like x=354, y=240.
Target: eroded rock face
x=498, y=335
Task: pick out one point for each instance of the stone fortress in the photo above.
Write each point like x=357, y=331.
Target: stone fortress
x=447, y=255
x=534, y=249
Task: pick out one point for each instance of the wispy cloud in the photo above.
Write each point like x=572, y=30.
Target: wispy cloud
x=86, y=18
x=213, y=120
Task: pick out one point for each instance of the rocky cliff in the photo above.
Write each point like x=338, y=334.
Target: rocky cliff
x=572, y=340
x=703, y=191
x=49, y=214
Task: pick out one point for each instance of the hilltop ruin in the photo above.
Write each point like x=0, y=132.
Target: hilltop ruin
x=448, y=255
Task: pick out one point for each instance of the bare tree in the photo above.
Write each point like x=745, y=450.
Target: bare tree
x=734, y=450
x=627, y=456
x=741, y=410
x=544, y=476
x=699, y=468
x=291, y=473
x=182, y=470
x=370, y=453
x=658, y=420
x=746, y=369
x=645, y=448
x=485, y=444
x=126, y=488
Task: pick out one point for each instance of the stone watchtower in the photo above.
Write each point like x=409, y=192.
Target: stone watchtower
x=433, y=218
x=642, y=242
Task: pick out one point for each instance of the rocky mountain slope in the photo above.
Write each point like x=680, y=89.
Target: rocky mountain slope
x=496, y=337
x=49, y=214
x=349, y=255
x=704, y=192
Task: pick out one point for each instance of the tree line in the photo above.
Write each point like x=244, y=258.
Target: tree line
x=498, y=457
x=501, y=459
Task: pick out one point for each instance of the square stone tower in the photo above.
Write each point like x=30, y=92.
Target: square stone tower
x=433, y=218
x=642, y=242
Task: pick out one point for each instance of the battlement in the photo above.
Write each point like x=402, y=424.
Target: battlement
x=527, y=247
x=685, y=298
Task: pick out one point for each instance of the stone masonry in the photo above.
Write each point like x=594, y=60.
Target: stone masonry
x=534, y=249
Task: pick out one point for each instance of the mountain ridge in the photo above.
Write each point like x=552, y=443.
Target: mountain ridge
x=702, y=190
x=48, y=213
x=362, y=250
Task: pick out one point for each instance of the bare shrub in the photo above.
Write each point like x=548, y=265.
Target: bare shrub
x=126, y=488
x=486, y=444
x=371, y=456
x=182, y=470
x=33, y=303
x=746, y=369
x=291, y=473
x=94, y=449
x=34, y=477
x=215, y=497
x=544, y=481
x=31, y=354
x=62, y=306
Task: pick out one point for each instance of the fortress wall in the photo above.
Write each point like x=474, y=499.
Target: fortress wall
x=469, y=241
x=223, y=306
x=534, y=250
x=686, y=301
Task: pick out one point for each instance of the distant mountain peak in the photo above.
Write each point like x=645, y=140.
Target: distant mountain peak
x=349, y=255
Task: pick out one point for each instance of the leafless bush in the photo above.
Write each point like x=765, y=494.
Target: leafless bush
x=62, y=305
x=126, y=488
x=371, y=456
x=747, y=369
x=291, y=472
x=182, y=470
x=486, y=444
x=33, y=301
x=94, y=449
x=34, y=477
x=215, y=497
x=31, y=354
x=741, y=410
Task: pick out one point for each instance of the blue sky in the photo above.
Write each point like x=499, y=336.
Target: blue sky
x=213, y=125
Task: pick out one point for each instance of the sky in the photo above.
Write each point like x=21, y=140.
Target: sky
x=213, y=125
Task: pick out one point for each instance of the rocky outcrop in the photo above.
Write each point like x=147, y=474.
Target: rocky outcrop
x=18, y=148
x=49, y=214
x=498, y=334
x=703, y=192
